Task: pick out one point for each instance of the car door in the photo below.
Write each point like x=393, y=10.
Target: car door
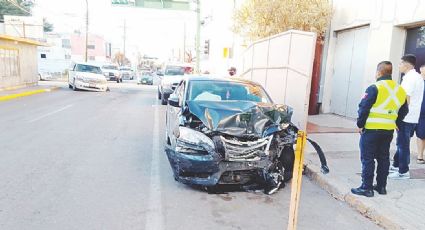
x=173, y=117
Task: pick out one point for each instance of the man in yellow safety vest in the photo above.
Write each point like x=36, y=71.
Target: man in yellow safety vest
x=383, y=106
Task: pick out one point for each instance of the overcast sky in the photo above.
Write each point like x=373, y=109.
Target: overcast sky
x=150, y=31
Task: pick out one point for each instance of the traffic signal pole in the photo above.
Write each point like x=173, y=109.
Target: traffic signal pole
x=198, y=36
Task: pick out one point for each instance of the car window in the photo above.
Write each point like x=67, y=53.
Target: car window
x=226, y=91
x=174, y=71
x=88, y=68
x=110, y=67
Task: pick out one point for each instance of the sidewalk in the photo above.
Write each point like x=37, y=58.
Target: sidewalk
x=402, y=208
x=17, y=92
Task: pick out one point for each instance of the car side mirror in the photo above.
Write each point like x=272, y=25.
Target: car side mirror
x=173, y=100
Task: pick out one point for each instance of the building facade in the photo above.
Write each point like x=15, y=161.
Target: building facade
x=18, y=61
x=362, y=33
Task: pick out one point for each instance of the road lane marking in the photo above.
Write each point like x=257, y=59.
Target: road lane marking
x=51, y=113
x=154, y=216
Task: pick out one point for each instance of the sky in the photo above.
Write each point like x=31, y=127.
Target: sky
x=149, y=31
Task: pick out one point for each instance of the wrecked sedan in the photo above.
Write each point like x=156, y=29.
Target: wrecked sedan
x=222, y=131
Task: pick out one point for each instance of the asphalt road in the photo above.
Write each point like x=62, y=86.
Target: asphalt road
x=86, y=160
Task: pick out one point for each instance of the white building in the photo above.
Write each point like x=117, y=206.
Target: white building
x=363, y=33
x=56, y=57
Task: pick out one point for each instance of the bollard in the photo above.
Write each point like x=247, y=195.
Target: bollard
x=296, y=180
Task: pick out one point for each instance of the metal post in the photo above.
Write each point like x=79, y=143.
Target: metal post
x=125, y=36
x=87, y=28
x=184, y=42
x=296, y=180
x=198, y=35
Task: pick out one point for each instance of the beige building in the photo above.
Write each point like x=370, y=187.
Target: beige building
x=18, y=61
x=363, y=33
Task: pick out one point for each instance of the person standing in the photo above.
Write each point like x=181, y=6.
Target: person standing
x=420, y=129
x=413, y=84
x=382, y=108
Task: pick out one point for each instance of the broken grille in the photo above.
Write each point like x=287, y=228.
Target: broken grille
x=236, y=150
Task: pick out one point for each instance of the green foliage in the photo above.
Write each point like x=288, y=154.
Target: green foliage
x=7, y=8
x=47, y=27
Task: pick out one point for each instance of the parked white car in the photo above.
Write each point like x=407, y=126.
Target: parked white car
x=86, y=76
x=111, y=72
x=126, y=73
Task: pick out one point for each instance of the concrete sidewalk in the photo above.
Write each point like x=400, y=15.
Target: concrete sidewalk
x=404, y=205
x=17, y=92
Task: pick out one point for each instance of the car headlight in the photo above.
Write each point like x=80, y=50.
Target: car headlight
x=105, y=74
x=192, y=141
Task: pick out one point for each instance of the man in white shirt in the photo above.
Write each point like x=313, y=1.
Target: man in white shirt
x=413, y=84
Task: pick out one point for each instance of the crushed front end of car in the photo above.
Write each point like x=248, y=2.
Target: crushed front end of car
x=248, y=144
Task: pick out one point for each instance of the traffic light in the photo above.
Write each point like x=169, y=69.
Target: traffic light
x=207, y=47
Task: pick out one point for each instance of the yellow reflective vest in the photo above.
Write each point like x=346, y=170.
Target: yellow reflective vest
x=384, y=112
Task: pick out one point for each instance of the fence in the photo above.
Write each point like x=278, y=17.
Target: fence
x=283, y=64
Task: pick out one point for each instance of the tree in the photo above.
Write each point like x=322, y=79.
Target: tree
x=15, y=7
x=47, y=27
x=120, y=59
x=257, y=19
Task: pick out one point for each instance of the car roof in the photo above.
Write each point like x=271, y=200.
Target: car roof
x=218, y=78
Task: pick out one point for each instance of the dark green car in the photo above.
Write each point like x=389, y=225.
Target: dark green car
x=145, y=78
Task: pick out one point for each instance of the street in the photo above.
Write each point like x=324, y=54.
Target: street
x=88, y=160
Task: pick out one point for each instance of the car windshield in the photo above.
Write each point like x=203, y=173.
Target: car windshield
x=174, y=70
x=88, y=68
x=226, y=91
x=110, y=67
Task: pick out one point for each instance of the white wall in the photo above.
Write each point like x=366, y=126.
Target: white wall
x=388, y=20
x=283, y=64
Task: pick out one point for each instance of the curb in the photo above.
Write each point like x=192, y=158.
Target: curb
x=27, y=93
x=313, y=172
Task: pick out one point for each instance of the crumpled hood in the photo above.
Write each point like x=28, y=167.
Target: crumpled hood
x=240, y=118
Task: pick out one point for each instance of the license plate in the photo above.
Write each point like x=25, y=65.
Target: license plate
x=92, y=85
x=144, y=81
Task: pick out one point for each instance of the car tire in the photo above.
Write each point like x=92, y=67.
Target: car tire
x=163, y=100
x=69, y=86
x=287, y=158
x=159, y=95
x=118, y=81
x=121, y=80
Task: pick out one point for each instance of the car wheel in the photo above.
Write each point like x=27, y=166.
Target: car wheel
x=118, y=81
x=159, y=95
x=163, y=100
x=74, y=87
x=287, y=158
x=121, y=80
x=69, y=86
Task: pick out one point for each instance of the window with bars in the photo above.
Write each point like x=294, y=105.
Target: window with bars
x=9, y=62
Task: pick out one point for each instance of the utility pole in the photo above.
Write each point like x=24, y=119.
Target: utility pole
x=87, y=28
x=124, y=37
x=184, y=42
x=198, y=36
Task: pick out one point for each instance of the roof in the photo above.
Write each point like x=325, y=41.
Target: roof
x=22, y=40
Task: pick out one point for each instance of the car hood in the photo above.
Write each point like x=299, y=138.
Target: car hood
x=241, y=118
x=91, y=76
x=171, y=79
x=110, y=71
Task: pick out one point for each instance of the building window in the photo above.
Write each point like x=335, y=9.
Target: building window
x=9, y=62
x=67, y=56
x=66, y=43
x=415, y=44
x=43, y=55
x=91, y=58
x=92, y=47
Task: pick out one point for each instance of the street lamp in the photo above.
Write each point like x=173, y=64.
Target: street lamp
x=87, y=28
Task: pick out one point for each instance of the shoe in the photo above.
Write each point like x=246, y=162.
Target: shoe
x=362, y=192
x=420, y=161
x=393, y=169
x=380, y=190
x=399, y=176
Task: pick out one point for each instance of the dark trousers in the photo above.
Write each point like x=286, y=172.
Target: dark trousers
x=402, y=155
x=375, y=144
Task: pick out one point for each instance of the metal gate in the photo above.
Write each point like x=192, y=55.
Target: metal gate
x=349, y=69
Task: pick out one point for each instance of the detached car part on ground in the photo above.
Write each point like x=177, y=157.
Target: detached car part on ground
x=229, y=132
